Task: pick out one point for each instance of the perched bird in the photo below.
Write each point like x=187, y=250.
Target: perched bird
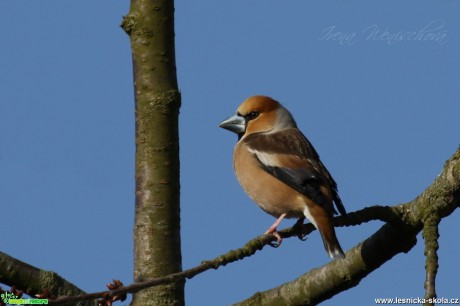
x=280, y=170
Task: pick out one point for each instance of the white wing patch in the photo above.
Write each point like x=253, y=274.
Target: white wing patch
x=266, y=158
x=307, y=214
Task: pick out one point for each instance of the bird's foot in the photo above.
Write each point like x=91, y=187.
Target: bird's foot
x=272, y=230
x=298, y=229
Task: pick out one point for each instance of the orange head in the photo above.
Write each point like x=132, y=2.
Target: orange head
x=259, y=114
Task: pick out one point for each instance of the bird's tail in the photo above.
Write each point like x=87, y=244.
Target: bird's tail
x=322, y=220
x=331, y=244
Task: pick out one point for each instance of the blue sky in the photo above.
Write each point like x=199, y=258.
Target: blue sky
x=381, y=109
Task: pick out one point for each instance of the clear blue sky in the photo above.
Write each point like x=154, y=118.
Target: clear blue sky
x=382, y=112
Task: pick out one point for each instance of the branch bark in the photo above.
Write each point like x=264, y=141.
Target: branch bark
x=33, y=281
x=157, y=247
x=431, y=236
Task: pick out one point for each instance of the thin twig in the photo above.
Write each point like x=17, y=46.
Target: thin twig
x=383, y=213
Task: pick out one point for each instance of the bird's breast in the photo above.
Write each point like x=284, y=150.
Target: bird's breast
x=269, y=193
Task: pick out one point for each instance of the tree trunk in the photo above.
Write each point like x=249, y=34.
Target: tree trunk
x=157, y=248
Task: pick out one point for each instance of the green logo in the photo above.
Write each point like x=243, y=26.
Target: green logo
x=10, y=298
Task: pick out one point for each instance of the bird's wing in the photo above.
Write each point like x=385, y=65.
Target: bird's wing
x=290, y=157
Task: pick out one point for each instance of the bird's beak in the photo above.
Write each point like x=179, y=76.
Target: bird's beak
x=235, y=123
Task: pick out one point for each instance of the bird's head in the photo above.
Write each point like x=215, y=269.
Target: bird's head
x=259, y=114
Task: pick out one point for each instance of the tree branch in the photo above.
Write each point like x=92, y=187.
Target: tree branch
x=157, y=244
x=431, y=235
x=249, y=249
x=33, y=281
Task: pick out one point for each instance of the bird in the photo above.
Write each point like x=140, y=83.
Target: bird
x=280, y=170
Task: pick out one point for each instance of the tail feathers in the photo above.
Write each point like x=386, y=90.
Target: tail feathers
x=334, y=251
x=331, y=244
x=333, y=248
x=323, y=222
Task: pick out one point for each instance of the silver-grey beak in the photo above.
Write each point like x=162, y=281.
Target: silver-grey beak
x=235, y=123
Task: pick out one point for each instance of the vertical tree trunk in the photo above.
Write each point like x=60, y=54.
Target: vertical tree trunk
x=157, y=249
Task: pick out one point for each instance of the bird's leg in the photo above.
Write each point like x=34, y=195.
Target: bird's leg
x=272, y=230
x=298, y=228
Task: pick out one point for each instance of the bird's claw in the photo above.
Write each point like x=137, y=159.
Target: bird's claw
x=302, y=236
x=298, y=228
x=275, y=233
x=274, y=244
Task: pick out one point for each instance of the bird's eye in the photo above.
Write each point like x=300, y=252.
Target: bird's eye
x=252, y=115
